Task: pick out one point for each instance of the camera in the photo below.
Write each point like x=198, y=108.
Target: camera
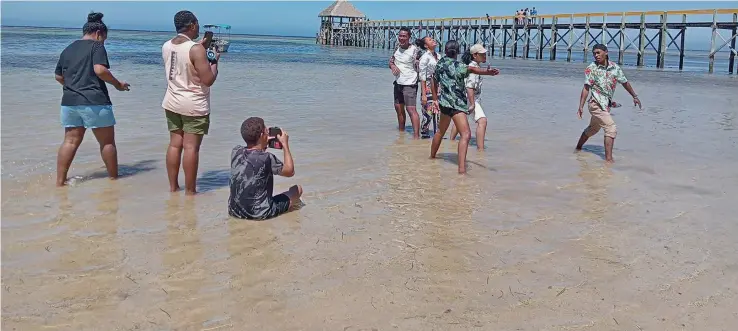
x=209, y=47
x=273, y=142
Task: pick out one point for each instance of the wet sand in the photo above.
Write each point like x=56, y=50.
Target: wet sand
x=535, y=237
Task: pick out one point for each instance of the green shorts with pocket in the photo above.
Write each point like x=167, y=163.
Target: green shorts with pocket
x=188, y=124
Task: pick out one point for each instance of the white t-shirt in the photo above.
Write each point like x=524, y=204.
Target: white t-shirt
x=405, y=61
x=427, y=66
x=474, y=81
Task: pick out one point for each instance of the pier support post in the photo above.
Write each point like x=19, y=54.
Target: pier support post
x=514, y=50
x=526, y=30
x=642, y=41
x=604, y=33
x=504, y=39
x=503, y=32
x=681, y=42
x=662, y=42
x=571, y=38
x=540, y=39
x=731, y=64
x=711, y=66
x=442, y=44
x=554, y=38
x=586, y=40
x=450, y=29
x=493, y=33
x=621, y=46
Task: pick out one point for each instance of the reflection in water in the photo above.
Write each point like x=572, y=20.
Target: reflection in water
x=596, y=179
x=255, y=265
x=432, y=209
x=184, y=273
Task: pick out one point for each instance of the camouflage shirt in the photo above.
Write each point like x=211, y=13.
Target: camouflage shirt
x=450, y=75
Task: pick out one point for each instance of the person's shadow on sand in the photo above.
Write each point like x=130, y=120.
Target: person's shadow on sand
x=594, y=149
x=212, y=180
x=124, y=170
x=453, y=158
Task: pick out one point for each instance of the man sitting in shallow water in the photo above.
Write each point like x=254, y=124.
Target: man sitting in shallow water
x=252, y=175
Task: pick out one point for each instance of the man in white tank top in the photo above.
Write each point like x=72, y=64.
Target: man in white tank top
x=189, y=76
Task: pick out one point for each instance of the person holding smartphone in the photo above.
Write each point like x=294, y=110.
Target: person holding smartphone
x=190, y=73
x=253, y=170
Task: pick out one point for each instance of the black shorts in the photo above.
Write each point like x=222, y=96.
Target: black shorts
x=406, y=94
x=450, y=112
x=280, y=205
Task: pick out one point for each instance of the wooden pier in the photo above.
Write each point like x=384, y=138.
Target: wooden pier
x=651, y=33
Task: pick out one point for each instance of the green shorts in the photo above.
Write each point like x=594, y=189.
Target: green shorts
x=188, y=124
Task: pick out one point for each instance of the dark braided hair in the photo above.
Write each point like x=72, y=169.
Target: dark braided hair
x=467, y=56
x=251, y=130
x=452, y=48
x=94, y=24
x=420, y=42
x=183, y=19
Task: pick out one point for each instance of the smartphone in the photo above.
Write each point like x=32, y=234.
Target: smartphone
x=273, y=142
x=275, y=131
x=208, y=38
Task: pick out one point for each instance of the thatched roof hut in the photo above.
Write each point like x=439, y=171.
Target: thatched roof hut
x=341, y=8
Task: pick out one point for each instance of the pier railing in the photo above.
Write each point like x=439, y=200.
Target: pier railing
x=640, y=33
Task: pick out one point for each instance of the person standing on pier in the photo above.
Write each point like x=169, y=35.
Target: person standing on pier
x=601, y=77
x=187, y=99
x=427, y=67
x=404, y=65
x=452, y=100
x=82, y=70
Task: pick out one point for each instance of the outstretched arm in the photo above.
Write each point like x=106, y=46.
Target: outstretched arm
x=582, y=99
x=487, y=72
x=632, y=92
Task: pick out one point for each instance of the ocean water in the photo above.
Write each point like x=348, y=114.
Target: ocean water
x=534, y=237
x=141, y=47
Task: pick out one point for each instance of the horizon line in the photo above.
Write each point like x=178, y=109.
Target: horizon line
x=143, y=30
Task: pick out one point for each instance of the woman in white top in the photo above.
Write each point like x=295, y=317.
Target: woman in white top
x=427, y=66
x=473, y=57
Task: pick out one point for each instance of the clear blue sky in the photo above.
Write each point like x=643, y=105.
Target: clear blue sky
x=295, y=18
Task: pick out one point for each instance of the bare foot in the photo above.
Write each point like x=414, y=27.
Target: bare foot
x=174, y=189
x=190, y=192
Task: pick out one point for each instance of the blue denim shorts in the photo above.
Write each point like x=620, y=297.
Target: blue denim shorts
x=89, y=117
